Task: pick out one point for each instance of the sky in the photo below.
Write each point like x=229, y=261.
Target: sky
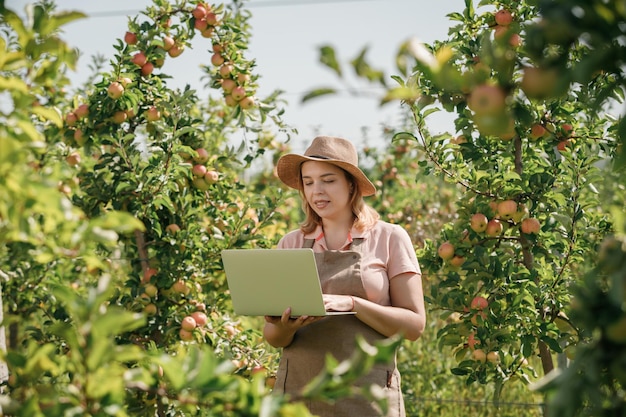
x=286, y=36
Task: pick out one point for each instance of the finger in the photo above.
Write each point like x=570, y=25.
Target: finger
x=286, y=315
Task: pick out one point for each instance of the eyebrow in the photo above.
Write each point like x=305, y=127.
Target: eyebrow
x=329, y=174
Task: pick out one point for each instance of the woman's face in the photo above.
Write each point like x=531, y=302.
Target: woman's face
x=326, y=189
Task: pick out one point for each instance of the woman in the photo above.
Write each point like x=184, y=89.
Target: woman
x=366, y=266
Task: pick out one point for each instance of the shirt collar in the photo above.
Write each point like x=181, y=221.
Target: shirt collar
x=318, y=235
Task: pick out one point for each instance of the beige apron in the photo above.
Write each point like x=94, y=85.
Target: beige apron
x=304, y=358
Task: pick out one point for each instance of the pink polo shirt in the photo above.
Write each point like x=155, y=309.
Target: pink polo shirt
x=386, y=251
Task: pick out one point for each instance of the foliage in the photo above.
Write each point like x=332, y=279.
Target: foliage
x=528, y=86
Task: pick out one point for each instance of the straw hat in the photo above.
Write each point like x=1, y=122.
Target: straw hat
x=336, y=151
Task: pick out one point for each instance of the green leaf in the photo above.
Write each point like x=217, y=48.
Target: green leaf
x=51, y=114
x=328, y=58
x=50, y=24
x=318, y=93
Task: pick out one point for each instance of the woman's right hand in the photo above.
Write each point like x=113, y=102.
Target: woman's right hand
x=279, y=330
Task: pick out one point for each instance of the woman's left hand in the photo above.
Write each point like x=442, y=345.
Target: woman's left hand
x=333, y=302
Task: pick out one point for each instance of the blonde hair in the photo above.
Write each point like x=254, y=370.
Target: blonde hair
x=365, y=217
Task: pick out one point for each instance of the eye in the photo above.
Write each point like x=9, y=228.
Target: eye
x=307, y=183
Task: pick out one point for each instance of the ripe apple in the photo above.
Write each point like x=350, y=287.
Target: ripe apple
x=503, y=17
x=494, y=228
x=175, y=50
x=228, y=85
x=115, y=90
x=202, y=156
x=130, y=38
x=563, y=145
x=73, y=159
x=188, y=323
x=218, y=48
x=212, y=19
x=457, y=261
x=230, y=101
x=471, y=341
x=537, y=131
x=168, y=42
x=172, y=228
x=198, y=170
x=79, y=137
x=243, y=77
x=567, y=129
x=530, y=226
x=200, y=318
x=150, y=309
x=148, y=274
x=247, y=102
x=478, y=222
x=185, y=335
x=200, y=24
x=208, y=32
x=493, y=357
x=539, y=83
x=180, y=287
x=153, y=114
x=147, y=69
x=125, y=81
x=515, y=40
x=139, y=59
x=479, y=355
x=238, y=93
x=211, y=177
x=446, y=251
x=479, y=303
x=226, y=69
x=71, y=119
x=487, y=99
x=119, y=117
x=199, y=12
x=506, y=209
x=217, y=59
x=81, y=111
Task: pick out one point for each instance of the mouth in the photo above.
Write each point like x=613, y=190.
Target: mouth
x=320, y=204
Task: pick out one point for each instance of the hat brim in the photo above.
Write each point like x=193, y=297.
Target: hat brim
x=288, y=170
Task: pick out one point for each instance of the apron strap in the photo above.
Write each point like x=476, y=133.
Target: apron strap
x=308, y=243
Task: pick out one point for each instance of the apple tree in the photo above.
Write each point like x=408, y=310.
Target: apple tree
x=530, y=153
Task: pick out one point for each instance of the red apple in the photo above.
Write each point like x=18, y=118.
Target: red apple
x=81, y=111
x=246, y=102
x=71, y=119
x=507, y=209
x=537, y=131
x=530, y=226
x=188, y=323
x=199, y=12
x=211, y=177
x=172, y=228
x=567, y=129
x=147, y=69
x=487, y=99
x=200, y=24
x=503, y=17
x=148, y=274
x=494, y=228
x=202, y=156
x=180, y=287
x=212, y=19
x=175, y=50
x=130, y=38
x=230, y=101
x=218, y=48
x=493, y=357
x=168, y=42
x=139, y=59
x=228, y=85
x=478, y=222
x=119, y=117
x=185, y=335
x=446, y=251
x=479, y=303
x=238, y=93
x=479, y=355
x=226, y=70
x=153, y=114
x=73, y=159
x=115, y=90
x=198, y=170
x=79, y=137
x=471, y=341
x=217, y=59
x=457, y=261
x=125, y=81
x=200, y=318
x=562, y=145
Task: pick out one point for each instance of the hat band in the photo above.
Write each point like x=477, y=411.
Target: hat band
x=318, y=156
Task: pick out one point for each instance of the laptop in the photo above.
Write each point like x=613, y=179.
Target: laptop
x=264, y=282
